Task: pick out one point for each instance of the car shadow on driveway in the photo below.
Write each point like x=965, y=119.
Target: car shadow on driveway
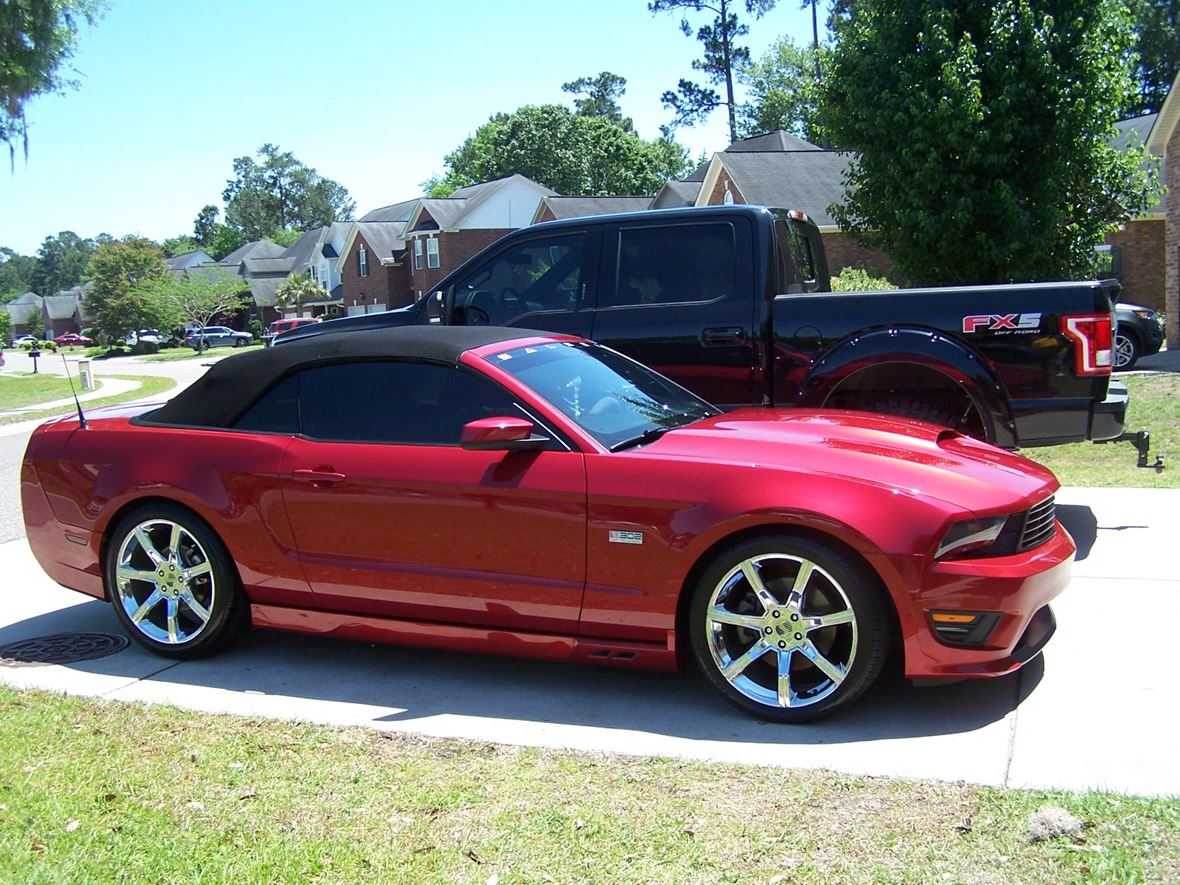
x=1082, y=525
x=401, y=686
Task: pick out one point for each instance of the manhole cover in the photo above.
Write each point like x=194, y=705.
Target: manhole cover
x=61, y=648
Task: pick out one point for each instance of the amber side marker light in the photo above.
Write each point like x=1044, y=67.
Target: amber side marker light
x=963, y=628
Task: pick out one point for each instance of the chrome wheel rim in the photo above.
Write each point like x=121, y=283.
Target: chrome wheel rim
x=781, y=631
x=1124, y=351
x=164, y=582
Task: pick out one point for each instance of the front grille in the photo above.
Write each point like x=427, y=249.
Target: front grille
x=1039, y=524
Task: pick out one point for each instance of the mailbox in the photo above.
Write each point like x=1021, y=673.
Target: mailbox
x=85, y=375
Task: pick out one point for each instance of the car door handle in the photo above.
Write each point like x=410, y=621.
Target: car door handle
x=318, y=476
x=723, y=335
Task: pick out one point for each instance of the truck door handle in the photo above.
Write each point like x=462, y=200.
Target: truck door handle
x=318, y=477
x=719, y=336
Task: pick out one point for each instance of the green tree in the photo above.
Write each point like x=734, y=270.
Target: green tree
x=117, y=302
x=205, y=226
x=35, y=325
x=691, y=102
x=280, y=192
x=783, y=92
x=1157, y=47
x=982, y=132
x=16, y=273
x=61, y=262
x=180, y=245
x=569, y=153
x=226, y=239
x=297, y=291
x=599, y=97
x=37, y=37
x=194, y=298
x=285, y=236
x=5, y=327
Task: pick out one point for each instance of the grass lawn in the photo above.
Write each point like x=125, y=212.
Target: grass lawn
x=100, y=791
x=46, y=388
x=172, y=354
x=1155, y=406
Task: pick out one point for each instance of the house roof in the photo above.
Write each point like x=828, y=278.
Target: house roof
x=62, y=307
x=1165, y=125
x=195, y=258
x=678, y=193
x=306, y=249
x=779, y=140
x=28, y=298
x=254, y=266
x=262, y=289
x=392, y=212
x=20, y=309
x=807, y=180
x=383, y=237
x=256, y=249
x=1133, y=131
x=449, y=212
x=582, y=207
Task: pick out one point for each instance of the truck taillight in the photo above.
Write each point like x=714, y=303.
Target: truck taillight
x=1091, y=334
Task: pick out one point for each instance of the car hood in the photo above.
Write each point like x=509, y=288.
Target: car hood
x=898, y=453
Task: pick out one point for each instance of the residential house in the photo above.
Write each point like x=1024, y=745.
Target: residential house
x=373, y=269
x=21, y=309
x=66, y=312
x=558, y=207
x=443, y=233
x=1164, y=142
x=188, y=260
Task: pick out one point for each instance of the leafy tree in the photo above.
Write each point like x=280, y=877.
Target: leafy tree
x=16, y=273
x=600, y=98
x=37, y=37
x=194, y=298
x=982, y=134
x=226, y=239
x=297, y=291
x=180, y=245
x=280, y=192
x=117, y=302
x=205, y=226
x=285, y=236
x=35, y=325
x=783, y=92
x=5, y=327
x=61, y=262
x=569, y=153
x=1157, y=45
x=857, y=279
x=691, y=102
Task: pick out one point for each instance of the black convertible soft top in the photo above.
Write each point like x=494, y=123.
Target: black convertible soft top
x=220, y=396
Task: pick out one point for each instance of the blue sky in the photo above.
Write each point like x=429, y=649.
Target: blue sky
x=371, y=93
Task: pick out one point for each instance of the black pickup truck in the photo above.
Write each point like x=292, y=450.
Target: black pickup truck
x=733, y=302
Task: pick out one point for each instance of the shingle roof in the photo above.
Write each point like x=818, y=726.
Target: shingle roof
x=20, y=309
x=581, y=207
x=807, y=180
x=262, y=289
x=62, y=307
x=194, y=258
x=449, y=211
x=255, y=266
x=306, y=248
x=779, y=140
x=28, y=298
x=677, y=193
x=383, y=237
x=393, y=212
x=256, y=249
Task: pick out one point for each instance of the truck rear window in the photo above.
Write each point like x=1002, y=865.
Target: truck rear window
x=796, y=263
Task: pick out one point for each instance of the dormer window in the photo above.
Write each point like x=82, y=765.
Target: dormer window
x=362, y=262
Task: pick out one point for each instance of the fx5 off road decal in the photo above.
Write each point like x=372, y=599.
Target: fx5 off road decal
x=1003, y=323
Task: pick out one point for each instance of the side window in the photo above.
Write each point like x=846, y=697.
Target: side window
x=796, y=262
x=675, y=264
x=396, y=402
x=276, y=411
x=538, y=275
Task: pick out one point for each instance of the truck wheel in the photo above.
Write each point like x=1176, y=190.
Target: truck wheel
x=931, y=412
x=787, y=628
x=1126, y=349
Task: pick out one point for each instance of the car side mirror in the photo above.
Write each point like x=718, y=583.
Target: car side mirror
x=502, y=434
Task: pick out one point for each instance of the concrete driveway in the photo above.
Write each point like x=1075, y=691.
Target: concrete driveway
x=1098, y=710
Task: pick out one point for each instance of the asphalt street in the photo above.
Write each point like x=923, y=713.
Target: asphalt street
x=1097, y=710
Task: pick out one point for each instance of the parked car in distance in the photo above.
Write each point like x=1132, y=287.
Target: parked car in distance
x=22, y=340
x=144, y=336
x=1140, y=332
x=217, y=336
x=483, y=489
x=73, y=339
x=285, y=325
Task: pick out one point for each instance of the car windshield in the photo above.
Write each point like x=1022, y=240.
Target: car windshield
x=616, y=400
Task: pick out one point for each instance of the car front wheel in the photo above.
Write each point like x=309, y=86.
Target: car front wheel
x=1126, y=350
x=172, y=582
x=788, y=628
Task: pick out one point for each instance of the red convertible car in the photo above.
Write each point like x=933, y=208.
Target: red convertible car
x=498, y=490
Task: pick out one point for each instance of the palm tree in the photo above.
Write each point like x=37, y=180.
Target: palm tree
x=297, y=291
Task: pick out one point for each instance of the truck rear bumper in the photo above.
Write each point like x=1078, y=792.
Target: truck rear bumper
x=1109, y=416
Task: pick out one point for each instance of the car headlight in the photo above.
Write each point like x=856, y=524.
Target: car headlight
x=970, y=535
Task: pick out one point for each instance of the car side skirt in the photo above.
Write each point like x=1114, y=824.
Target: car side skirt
x=461, y=638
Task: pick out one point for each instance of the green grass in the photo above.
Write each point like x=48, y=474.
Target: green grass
x=187, y=353
x=59, y=388
x=20, y=389
x=99, y=791
x=1155, y=406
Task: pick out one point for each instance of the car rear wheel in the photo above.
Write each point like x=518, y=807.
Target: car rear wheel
x=172, y=582
x=1126, y=350
x=788, y=628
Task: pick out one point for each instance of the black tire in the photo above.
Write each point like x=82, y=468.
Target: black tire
x=742, y=642
x=966, y=421
x=172, y=582
x=1127, y=350
x=239, y=342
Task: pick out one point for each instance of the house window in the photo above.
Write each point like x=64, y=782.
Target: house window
x=1106, y=262
x=311, y=273
x=417, y=254
x=362, y=262
x=432, y=252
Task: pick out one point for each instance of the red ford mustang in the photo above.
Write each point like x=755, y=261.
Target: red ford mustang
x=522, y=493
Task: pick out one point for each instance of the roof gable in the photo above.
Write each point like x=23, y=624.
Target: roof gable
x=1165, y=124
x=807, y=180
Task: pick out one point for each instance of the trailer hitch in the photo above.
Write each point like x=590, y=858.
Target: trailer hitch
x=1141, y=440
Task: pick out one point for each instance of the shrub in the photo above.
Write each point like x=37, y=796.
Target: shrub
x=857, y=279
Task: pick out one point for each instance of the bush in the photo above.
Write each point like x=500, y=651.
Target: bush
x=51, y=346
x=857, y=279
x=256, y=328
x=141, y=347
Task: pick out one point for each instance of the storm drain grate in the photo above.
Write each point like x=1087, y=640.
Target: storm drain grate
x=61, y=648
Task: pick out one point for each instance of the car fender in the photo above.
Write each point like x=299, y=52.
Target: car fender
x=954, y=361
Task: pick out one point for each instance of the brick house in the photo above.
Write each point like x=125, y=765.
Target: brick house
x=373, y=269
x=1164, y=142
x=21, y=309
x=441, y=234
